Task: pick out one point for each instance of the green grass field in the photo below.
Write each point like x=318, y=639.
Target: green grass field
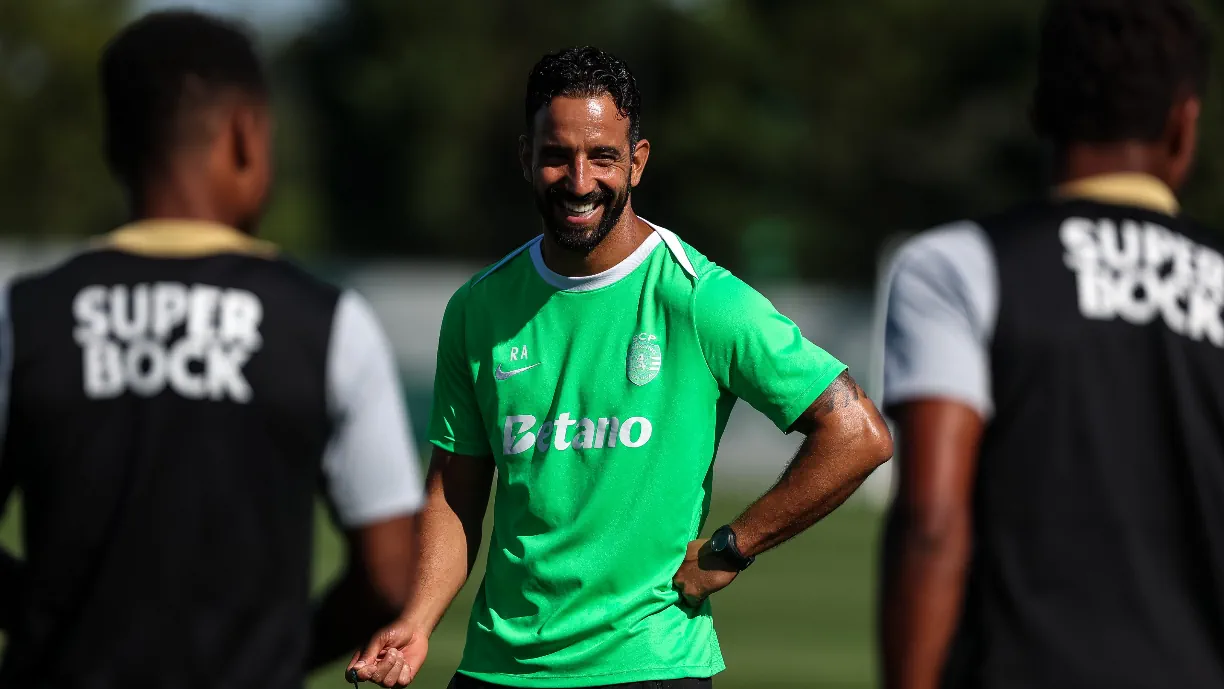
x=801, y=617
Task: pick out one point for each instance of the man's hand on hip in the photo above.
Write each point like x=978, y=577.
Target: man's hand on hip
x=702, y=573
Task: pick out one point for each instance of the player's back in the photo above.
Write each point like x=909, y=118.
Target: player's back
x=1099, y=505
x=167, y=419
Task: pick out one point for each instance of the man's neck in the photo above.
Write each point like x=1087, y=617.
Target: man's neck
x=628, y=234
x=173, y=195
x=1081, y=161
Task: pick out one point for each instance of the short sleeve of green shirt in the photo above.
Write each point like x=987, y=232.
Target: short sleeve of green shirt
x=757, y=353
x=455, y=424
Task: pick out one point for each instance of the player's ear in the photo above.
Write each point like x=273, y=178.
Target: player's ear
x=242, y=134
x=641, y=153
x=250, y=134
x=524, y=152
x=1181, y=134
x=250, y=129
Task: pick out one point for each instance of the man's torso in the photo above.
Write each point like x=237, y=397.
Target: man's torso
x=603, y=419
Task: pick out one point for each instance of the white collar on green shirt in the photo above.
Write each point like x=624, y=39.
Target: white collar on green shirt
x=587, y=283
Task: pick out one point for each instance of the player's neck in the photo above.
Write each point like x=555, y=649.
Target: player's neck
x=179, y=197
x=628, y=234
x=1083, y=160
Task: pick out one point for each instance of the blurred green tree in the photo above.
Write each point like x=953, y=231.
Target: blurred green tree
x=790, y=137
x=53, y=182
x=842, y=121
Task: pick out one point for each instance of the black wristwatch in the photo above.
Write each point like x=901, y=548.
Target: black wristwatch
x=722, y=543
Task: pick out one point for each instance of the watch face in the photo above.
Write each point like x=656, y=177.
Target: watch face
x=719, y=541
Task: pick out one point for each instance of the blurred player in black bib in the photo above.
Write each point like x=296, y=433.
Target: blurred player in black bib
x=1057, y=375
x=173, y=398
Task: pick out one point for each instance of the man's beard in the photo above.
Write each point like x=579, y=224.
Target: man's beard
x=581, y=240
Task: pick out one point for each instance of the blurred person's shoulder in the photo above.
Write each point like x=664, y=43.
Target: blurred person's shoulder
x=966, y=237
x=1196, y=231
x=263, y=268
x=1051, y=219
x=965, y=249
x=291, y=279
x=954, y=255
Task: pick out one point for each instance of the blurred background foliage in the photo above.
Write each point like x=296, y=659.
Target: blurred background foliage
x=789, y=137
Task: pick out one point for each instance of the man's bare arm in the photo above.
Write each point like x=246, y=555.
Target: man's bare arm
x=928, y=540
x=846, y=440
x=457, y=494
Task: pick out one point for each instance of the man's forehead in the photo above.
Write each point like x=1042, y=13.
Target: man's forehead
x=580, y=117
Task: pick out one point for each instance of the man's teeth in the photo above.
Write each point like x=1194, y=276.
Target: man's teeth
x=578, y=208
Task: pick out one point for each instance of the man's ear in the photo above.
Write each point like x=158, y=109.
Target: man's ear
x=248, y=128
x=243, y=137
x=1181, y=135
x=641, y=153
x=524, y=153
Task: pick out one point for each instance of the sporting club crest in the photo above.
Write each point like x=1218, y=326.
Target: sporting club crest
x=644, y=359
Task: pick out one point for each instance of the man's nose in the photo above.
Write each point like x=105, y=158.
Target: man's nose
x=580, y=181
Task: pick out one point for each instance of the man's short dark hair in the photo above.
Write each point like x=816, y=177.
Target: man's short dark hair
x=1111, y=70
x=585, y=73
x=159, y=72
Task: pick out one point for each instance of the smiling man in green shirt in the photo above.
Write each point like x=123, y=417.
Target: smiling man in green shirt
x=592, y=371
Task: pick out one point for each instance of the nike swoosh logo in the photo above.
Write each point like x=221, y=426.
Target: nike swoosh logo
x=499, y=374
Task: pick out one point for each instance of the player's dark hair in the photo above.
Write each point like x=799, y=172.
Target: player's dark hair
x=1111, y=70
x=585, y=73
x=161, y=70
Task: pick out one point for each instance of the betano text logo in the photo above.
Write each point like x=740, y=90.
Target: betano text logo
x=145, y=338
x=520, y=434
x=1138, y=271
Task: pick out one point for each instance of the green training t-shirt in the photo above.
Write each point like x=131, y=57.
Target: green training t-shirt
x=602, y=400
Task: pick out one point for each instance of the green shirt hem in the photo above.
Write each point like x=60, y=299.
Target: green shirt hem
x=550, y=681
